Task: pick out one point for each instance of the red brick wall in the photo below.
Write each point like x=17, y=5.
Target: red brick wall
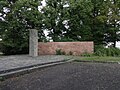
x=77, y=48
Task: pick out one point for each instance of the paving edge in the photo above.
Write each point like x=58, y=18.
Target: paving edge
x=29, y=66
x=109, y=62
x=31, y=69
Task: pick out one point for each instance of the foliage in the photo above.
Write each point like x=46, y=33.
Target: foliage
x=83, y=20
x=2, y=79
x=0, y=46
x=86, y=55
x=111, y=51
x=21, y=16
x=78, y=20
x=70, y=53
x=60, y=52
x=65, y=20
x=55, y=14
x=113, y=17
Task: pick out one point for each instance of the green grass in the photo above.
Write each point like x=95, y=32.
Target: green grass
x=97, y=58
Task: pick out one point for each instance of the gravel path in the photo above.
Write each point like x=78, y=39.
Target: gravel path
x=71, y=76
x=17, y=61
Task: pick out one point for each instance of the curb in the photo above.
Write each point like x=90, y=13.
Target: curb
x=109, y=62
x=28, y=69
x=24, y=67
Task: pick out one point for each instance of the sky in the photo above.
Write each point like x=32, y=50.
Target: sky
x=118, y=44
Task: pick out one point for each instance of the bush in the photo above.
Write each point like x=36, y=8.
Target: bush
x=60, y=52
x=0, y=46
x=70, y=53
x=15, y=41
x=102, y=51
x=14, y=49
x=2, y=79
x=86, y=54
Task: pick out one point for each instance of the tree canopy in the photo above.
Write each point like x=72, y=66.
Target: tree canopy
x=65, y=20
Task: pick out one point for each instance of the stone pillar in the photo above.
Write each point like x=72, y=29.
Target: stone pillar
x=33, y=42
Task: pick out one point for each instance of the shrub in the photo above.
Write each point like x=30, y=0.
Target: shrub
x=100, y=51
x=2, y=79
x=86, y=54
x=60, y=52
x=0, y=46
x=111, y=51
x=14, y=49
x=70, y=53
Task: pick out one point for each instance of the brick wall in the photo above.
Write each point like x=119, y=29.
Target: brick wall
x=77, y=48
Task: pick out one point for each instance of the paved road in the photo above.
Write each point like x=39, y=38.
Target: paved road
x=71, y=76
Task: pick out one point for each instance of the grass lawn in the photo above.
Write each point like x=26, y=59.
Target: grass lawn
x=97, y=58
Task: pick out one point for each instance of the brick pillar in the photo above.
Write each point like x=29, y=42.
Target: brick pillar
x=33, y=42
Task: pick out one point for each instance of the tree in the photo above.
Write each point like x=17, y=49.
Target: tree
x=3, y=4
x=113, y=22
x=66, y=20
x=98, y=21
x=21, y=16
x=55, y=14
x=78, y=21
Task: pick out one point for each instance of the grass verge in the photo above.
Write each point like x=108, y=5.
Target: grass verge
x=97, y=58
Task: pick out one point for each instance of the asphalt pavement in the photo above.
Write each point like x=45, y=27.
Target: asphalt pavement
x=70, y=76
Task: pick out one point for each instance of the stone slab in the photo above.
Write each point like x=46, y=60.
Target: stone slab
x=19, y=61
